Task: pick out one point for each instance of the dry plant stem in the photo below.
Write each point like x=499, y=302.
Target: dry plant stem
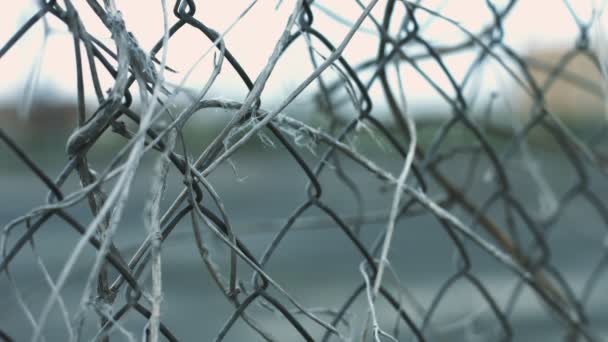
x=200, y=243
x=220, y=205
x=231, y=292
x=21, y=300
x=453, y=192
x=117, y=198
x=370, y=296
x=409, y=159
x=159, y=188
x=404, y=295
x=218, y=43
x=105, y=312
x=262, y=123
x=503, y=240
x=532, y=264
x=49, y=280
x=258, y=88
x=96, y=199
x=511, y=257
x=96, y=196
x=153, y=225
x=252, y=98
x=68, y=201
x=176, y=124
x=89, y=132
x=254, y=95
x=262, y=273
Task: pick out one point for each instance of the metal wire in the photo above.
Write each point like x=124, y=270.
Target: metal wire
x=502, y=227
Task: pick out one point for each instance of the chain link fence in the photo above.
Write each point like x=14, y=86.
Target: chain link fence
x=481, y=190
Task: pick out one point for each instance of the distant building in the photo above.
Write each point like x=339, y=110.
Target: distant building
x=576, y=94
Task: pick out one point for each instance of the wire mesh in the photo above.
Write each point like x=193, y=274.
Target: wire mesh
x=487, y=194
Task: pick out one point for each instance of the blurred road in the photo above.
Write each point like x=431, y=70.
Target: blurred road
x=316, y=264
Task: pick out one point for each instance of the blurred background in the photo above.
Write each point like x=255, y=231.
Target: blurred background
x=262, y=185
x=39, y=72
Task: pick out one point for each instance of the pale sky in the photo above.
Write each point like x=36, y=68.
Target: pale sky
x=533, y=24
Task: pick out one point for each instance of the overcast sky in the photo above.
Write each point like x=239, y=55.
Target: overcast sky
x=534, y=24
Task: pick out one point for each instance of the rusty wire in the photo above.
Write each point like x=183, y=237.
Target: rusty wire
x=519, y=242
